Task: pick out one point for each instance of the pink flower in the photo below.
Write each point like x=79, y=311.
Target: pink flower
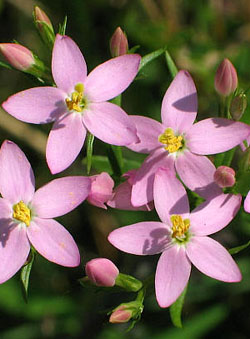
x=101, y=189
x=102, y=272
x=26, y=215
x=180, y=143
x=181, y=237
x=247, y=203
x=78, y=103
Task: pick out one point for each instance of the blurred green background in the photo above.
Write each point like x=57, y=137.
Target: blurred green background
x=198, y=34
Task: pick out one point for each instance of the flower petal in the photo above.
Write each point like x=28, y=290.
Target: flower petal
x=213, y=215
x=109, y=123
x=212, y=259
x=14, y=248
x=17, y=180
x=148, y=131
x=60, y=196
x=247, y=203
x=38, y=105
x=53, y=242
x=111, y=78
x=68, y=64
x=143, y=238
x=170, y=196
x=179, y=105
x=215, y=135
x=197, y=173
x=172, y=274
x=65, y=142
x=142, y=189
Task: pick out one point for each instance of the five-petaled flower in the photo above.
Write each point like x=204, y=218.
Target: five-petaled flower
x=181, y=237
x=26, y=215
x=79, y=103
x=180, y=143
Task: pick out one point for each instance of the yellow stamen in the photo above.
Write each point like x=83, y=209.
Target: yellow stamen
x=173, y=143
x=76, y=102
x=21, y=212
x=180, y=226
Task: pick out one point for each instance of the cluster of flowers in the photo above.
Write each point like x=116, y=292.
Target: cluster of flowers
x=177, y=147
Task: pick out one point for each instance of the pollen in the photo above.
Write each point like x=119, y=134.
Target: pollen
x=76, y=102
x=173, y=143
x=180, y=227
x=21, y=212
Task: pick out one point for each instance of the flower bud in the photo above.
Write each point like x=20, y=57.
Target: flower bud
x=224, y=176
x=44, y=27
x=247, y=203
x=118, y=43
x=120, y=315
x=238, y=106
x=226, y=79
x=18, y=56
x=101, y=189
x=102, y=272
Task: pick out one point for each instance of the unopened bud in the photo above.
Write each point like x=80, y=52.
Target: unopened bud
x=120, y=315
x=102, y=272
x=18, y=56
x=247, y=203
x=238, y=106
x=226, y=79
x=224, y=176
x=118, y=43
x=44, y=27
x=101, y=189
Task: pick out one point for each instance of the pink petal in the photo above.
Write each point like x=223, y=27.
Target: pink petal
x=142, y=190
x=172, y=275
x=212, y=259
x=14, y=248
x=68, y=64
x=215, y=135
x=143, y=238
x=112, y=77
x=170, y=196
x=213, y=215
x=179, y=105
x=39, y=105
x=109, y=123
x=148, y=131
x=65, y=142
x=247, y=203
x=101, y=189
x=197, y=173
x=53, y=242
x=60, y=196
x=17, y=180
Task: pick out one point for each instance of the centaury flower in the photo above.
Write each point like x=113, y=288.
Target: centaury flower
x=26, y=215
x=181, y=237
x=78, y=103
x=180, y=143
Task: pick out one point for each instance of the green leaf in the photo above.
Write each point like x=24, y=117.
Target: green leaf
x=150, y=57
x=242, y=183
x=5, y=65
x=176, y=309
x=90, y=142
x=117, y=100
x=128, y=282
x=171, y=65
x=115, y=160
x=238, y=249
x=62, y=27
x=25, y=274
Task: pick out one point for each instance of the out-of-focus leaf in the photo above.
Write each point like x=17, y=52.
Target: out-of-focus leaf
x=100, y=163
x=150, y=57
x=5, y=65
x=242, y=183
x=176, y=309
x=171, y=65
x=62, y=27
x=25, y=274
x=238, y=249
x=90, y=142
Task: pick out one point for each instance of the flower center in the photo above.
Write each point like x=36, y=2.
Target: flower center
x=173, y=143
x=77, y=101
x=21, y=212
x=180, y=227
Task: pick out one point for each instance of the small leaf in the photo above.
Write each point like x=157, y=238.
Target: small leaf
x=25, y=274
x=171, y=65
x=90, y=142
x=115, y=160
x=176, y=309
x=133, y=49
x=62, y=27
x=5, y=65
x=150, y=57
x=238, y=249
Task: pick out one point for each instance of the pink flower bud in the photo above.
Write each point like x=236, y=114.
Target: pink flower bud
x=118, y=43
x=224, y=176
x=226, y=79
x=18, y=56
x=41, y=17
x=102, y=272
x=120, y=315
x=101, y=189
